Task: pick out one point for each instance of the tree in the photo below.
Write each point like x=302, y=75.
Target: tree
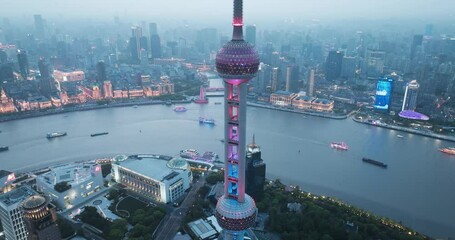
x=65, y=228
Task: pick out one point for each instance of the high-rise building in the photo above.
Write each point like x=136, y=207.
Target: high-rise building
x=410, y=96
x=383, y=94
x=40, y=218
x=135, y=43
x=417, y=41
x=311, y=83
x=374, y=63
x=11, y=213
x=292, y=78
x=155, y=46
x=153, y=29
x=333, y=65
x=255, y=171
x=23, y=63
x=263, y=78
x=39, y=25
x=46, y=80
x=237, y=63
x=275, y=79
x=348, y=67
x=250, y=35
x=101, y=72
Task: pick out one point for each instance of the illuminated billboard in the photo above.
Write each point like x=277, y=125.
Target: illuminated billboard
x=383, y=92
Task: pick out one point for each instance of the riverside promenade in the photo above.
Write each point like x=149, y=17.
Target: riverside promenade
x=426, y=133
x=294, y=110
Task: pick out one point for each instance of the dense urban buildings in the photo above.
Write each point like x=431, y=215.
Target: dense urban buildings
x=71, y=184
x=11, y=215
x=156, y=177
x=255, y=171
x=40, y=218
x=237, y=63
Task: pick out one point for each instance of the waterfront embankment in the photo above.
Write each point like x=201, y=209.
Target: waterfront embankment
x=293, y=110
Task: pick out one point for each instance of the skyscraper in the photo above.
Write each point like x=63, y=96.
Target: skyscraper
x=46, y=80
x=311, y=83
x=135, y=43
x=155, y=45
x=255, y=171
x=237, y=63
x=292, y=78
x=410, y=96
x=39, y=25
x=100, y=72
x=153, y=29
x=333, y=65
x=417, y=41
x=3, y=56
x=40, y=219
x=23, y=63
x=383, y=94
x=250, y=35
x=275, y=79
x=11, y=213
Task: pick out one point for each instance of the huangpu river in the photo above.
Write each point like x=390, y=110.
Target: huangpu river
x=417, y=188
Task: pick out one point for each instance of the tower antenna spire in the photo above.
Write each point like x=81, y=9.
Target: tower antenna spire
x=238, y=20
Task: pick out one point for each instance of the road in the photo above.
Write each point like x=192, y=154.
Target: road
x=170, y=225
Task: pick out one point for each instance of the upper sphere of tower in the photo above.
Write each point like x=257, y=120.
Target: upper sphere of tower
x=237, y=60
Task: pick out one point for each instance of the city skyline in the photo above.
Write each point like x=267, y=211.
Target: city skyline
x=285, y=9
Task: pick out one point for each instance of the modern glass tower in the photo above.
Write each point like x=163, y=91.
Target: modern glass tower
x=237, y=63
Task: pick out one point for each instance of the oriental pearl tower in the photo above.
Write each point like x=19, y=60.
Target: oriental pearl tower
x=237, y=63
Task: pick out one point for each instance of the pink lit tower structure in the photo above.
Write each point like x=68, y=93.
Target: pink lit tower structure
x=237, y=63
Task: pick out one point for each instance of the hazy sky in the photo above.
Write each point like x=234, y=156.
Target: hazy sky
x=217, y=10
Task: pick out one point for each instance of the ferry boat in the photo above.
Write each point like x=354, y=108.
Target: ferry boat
x=210, y=121
x=189, y=153
x=4, y=148
x=210, y=156
x=55, y=134
x=180, y=109
x=339, y=145
x=449, y=150
x=98, y=134
x=374, y=162
x=400, y=136
x=217, y=103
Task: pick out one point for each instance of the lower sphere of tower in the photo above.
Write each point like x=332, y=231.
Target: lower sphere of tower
x=236, y=216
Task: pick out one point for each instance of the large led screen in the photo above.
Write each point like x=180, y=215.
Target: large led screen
x=383, y=92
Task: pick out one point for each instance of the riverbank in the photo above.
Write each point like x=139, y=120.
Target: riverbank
x=84, y=107
x=408, y=130
x=316, y=114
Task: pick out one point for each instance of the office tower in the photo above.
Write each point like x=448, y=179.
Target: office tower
x=100, y=72
x=292, y=78
x=348, y=67
x=6, y=72
x=374, y=63
x=3, y=56
x=40, y=218
x=255, y=171
x=207, y=40
x=155, y=46
x=275, y=79
x=23, y=63
x=383, y=93
x=416, y=45
x=135, y=44
x=429, y=30
x=410, y=96
x=11, y=213
x=333, y=65
x=39, y=26
x=153, y=29
x=250, y=35
x=46, y=80
x=237, y=63
x=263, y=78
x=311, y=83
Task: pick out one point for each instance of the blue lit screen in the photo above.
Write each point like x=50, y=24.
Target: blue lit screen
x=383, y=92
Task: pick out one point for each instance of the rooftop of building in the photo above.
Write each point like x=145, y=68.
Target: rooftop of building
x=158, y=167
x=16, y=195
x=205, y=228
x=280, y=92
x=73, y=173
